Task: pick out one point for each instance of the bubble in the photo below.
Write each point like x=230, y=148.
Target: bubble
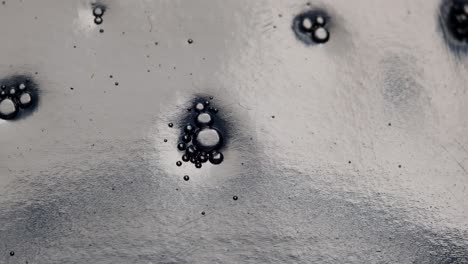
x=101, y=30
x=204, y=119
x=199, y=107
x=190, y=41
x=319, y=20
x=191, y=151
x=202, y=158
x=170, y=125
x=98, y=11
x=216, y=157
x=193, y=160
x=12, y=253
x=12, y=91
x=179, y=163
x=198, y=165
x=235, y=198
x=22, y=86
x=208, y=139
x=203, y=213
x=185, y=158
x=181, y=146
x=188, y=129
x=8, y=109
x=98, y=20
x=186, y=178
x=186, y=138
x=25, y=99
x=320, y=35
x=165, y=140
x=306, y=24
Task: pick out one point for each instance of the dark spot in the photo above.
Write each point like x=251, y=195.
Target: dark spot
x=101, y=30
x=203, y=213
x=190, y=41
x=12, y=253
x=235, y=198
x=116, y=83
x=165, y=140
x=186, y=178
x=170, y=125
x=349, y=162
x=156, y=43
x=389, y=124
x=399, y=166
x=179, y=163
x=111, y=76
x=71, y=88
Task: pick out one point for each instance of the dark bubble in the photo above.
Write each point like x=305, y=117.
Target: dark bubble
x=185, y=158
x=202, y=158
x=203, y=213
x=181, y=146
x=165, y=140
x=198, y=165
x=457, y=20
x=193, y=160
x=170, y=125
x=189, y=129
x=207, y=103
x=179, y=163
x=190, y=41
x=191, y=150
x=235, y=198
x=186, y=178
x=8, y=109
x=204, y=119
x=98, y=20
x=98, y=11
x=186, y=138
x=216, y=157
x=12, y=253
x=101, y=30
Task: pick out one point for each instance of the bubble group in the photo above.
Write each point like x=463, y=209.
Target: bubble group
x=98, y=12
x=17, y=94
x=457, y=20
x=201, y=138
x=312, y=27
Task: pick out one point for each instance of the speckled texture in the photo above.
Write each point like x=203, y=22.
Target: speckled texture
x=355, y=151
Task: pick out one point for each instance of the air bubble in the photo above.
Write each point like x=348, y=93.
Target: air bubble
x=12, y=91
x=170, y=124
x=181, y=146
x=98, y=11
x=306, y=24
x=190, y=41
x=185, y=158
x=198, y=165
x=8, y=109
x=22, y=86
x=208, y=139
x=188, y=129
x=235, y=198
x=98, y=20
x=179, y=163
x=186, y=178
x=204, y=119
x=320, y=35
x=25, y=99
x=216, y=157
x=199, y=107
x=12, y=253
x=186, y=138
x=191, y=151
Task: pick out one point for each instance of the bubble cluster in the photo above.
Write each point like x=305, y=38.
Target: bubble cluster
x=457, y=20
x=17, y=94
x=201, y=139
x=311, y=27
x=98, y=12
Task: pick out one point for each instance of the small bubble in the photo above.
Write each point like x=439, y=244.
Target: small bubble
x=111, y=76
x=185, y=158
x=12, y=253
x=319, y=20
x=399, y=166
x=203, y=213
x=235, y=198
x=101, y=30
x=179, y=163
x=199, y=107
x=198, y=165
x=216, y=157
x=306, y=24
x=156, y=43
x=116, y=84
x=202, y=158
x=12, y=91
x=190, y=41
x=320, y=35
x=186, y=138
x=204, y=119
x=98, y=20
x=98, y=11
x=22, y=86
x=186, y=178
x=191, y=151
x=165, y=140
x=389, y=124
x=25, y=99
x=181, y=146
x=189, y=129
x=193, y=160
x=170, y=125
x=349, y=162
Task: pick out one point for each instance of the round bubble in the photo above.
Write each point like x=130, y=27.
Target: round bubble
x=208, y=139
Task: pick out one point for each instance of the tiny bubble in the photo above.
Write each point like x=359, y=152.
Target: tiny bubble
x=389, y=124
x=165, y=140
x=110, y=76
x=235, y=198
x=203, y=213
x=186, y=178
x=273, y=116
x=116, y=83
x=179, y=163
x=190, y=41
x=399, y=166
x=71, y=88
x=101, y=30
x=349, y=162
x=170, y=125
x=12, y=253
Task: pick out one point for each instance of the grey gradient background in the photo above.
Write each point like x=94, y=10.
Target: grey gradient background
x=87, y=178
